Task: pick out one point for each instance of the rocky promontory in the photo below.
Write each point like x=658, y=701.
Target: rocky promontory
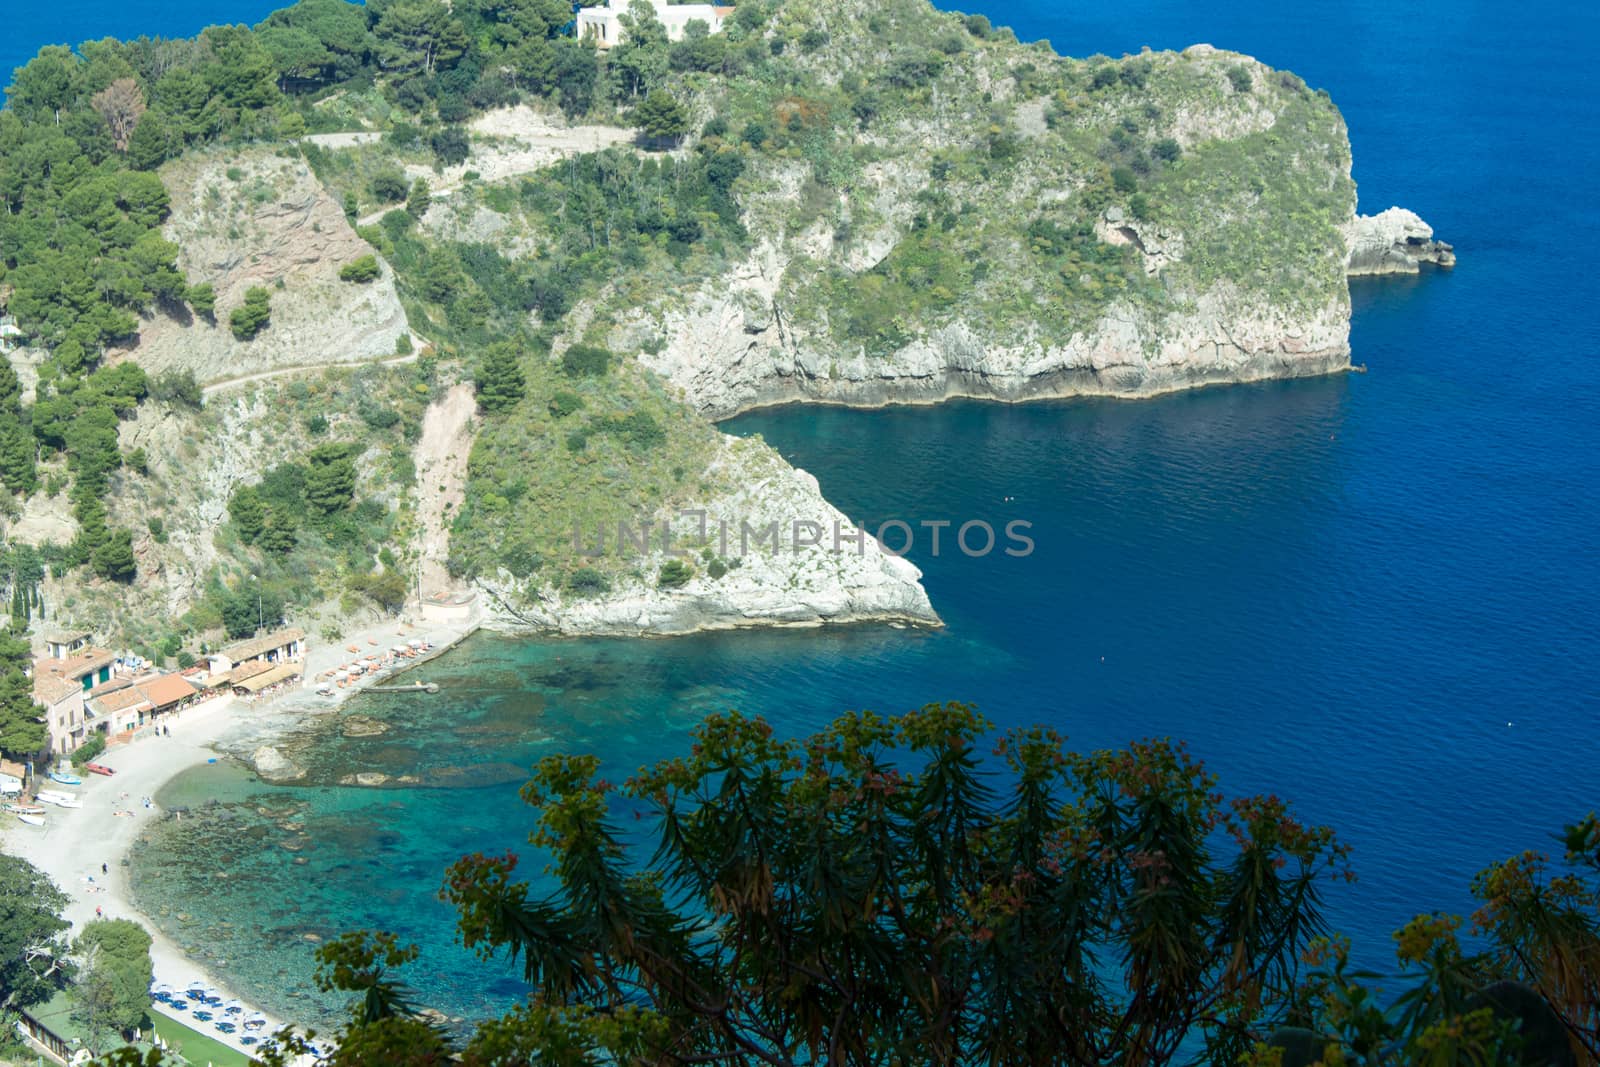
x=1395, y=241
x=767, y=551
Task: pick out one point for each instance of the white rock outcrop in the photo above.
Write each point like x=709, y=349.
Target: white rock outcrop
x=791, y=559
x=1395, y=241
x=258, y=219
x=733, y=350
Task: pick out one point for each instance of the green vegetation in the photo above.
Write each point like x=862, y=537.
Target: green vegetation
x=253, y=316
x=22, y=735
x=901, y=197
x=112, y=993
x=660, y=117
x=361, y=270
x=882, y=894
x=30, y=925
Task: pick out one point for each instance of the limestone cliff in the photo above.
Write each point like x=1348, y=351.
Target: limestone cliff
x=1395, y=241
x=257, y=218
x=768, y=550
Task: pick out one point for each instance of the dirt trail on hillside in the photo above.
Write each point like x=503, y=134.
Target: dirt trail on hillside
x=441, y=459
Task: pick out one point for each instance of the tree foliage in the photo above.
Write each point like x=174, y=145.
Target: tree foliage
x=30, y=930
x=112, y=993
x=252, y=316
x=499, y=378
x=660, y=117
x=22, y=735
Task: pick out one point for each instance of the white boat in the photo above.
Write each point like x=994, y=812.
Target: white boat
x=31, y=820
x=60, y=800
x=24, y=809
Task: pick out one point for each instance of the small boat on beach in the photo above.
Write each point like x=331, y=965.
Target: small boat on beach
x=99, y=768
x=64, y=778
x=31, y=820
x=60, y=800
x=24, y=809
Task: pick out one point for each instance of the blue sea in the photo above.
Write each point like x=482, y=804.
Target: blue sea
x=1373, y=594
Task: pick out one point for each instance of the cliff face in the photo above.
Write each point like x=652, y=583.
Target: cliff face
x=1395, y=241
x=258, y=219
x=767, y=550
x=727, y=358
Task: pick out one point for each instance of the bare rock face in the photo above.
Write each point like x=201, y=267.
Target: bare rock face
x=731, y=350
x=274, y=766
x=260, y=219
x=1396, y=241
x=768, y=551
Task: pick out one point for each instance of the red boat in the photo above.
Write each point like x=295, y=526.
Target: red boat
x=99, y=768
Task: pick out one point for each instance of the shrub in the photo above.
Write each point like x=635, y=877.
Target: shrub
x=979, y=26
x=388, y=187
x=1239, y=77
x=1123, y=180
x=419, y=199
x=177, y=387
x=564, y=403
x=317, y=424
x=674, y=574
x=253, y=316
x=585, y=361
x=91, y=747
x=203, y=299
x=586, y=581
x=362, y=269
x=716, y=569
x=450, y=145
x=1167, y=150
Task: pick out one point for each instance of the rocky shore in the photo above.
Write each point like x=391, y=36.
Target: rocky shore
x=767, y=551
x=1395, y=241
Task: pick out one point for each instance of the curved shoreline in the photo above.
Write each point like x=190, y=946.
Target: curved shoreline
x=74, y=843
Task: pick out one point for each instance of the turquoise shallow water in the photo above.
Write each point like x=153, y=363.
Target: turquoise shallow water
x=1342, y=590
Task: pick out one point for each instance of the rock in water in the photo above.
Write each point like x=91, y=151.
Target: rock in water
x=274, y=766
x=1396, y=241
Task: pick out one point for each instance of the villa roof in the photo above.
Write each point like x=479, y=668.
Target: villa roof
x=110, y=686
x=66, y=637
x=52, y=688
x=281, y=673
x=78, y=664
x=167, y=689
x=258, y=646
x=120, y=700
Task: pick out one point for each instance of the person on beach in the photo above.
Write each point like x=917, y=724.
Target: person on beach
x=104, y=869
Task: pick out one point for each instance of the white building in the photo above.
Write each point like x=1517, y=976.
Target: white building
x=604, y=23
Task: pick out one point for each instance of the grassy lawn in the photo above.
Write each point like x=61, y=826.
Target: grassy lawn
x=196, y=1047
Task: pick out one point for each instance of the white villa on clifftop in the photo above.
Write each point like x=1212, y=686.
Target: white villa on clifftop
x=604, y=23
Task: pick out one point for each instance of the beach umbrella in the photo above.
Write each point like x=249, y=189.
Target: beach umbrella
x=162, y=991
x=233, y=1007
x=225, y=1026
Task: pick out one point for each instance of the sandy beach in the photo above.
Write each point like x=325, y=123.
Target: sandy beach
x=74, y=843
x=82, y=849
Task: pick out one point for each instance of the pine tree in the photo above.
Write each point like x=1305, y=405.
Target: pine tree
x=500, y=380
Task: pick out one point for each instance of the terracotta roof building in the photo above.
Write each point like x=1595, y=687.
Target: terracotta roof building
x=167, y=691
